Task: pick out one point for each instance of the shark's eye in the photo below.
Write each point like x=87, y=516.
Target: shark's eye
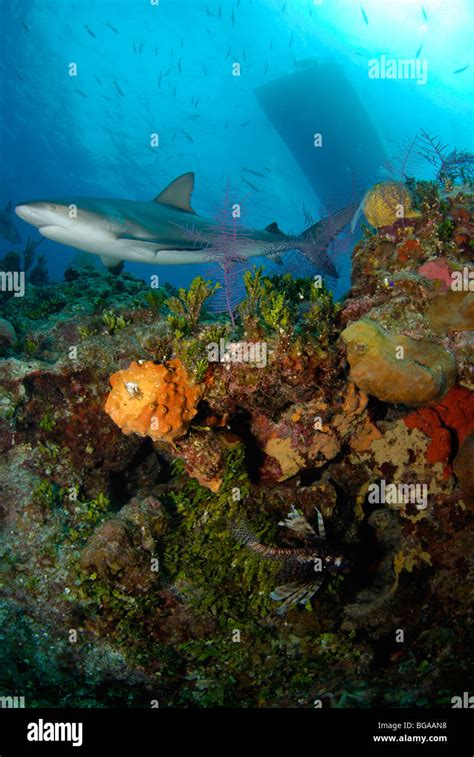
x=52, y=208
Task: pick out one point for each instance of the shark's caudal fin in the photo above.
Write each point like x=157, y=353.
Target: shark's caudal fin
x=315, y=240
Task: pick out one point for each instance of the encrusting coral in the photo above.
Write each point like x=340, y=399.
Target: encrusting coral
x=153, y=400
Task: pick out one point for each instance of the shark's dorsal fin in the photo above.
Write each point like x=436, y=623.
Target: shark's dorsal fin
x=178, y=193
x=273, y=228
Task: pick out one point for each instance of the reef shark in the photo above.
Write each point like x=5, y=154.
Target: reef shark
x=7, y=229
x=168, y=231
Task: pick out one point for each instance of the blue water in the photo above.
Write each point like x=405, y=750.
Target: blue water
x=58, y=142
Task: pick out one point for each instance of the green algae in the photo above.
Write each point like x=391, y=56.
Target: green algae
x=186, y=307
x=215, y=573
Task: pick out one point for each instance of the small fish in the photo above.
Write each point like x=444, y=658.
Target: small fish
x=97, y=79
x=249, y=184
x=255, y=173
x=188, y=136
x=111, y=26
x=134, y=48
x=156, y=49
x=244, y=54
x=232, y=18
x=419, y=51
x=303, y=569
x=211, y=15
x=81, y=93
x=196, y=103
x=142, y=45
x=107, y=98
x=160, y=80
x=179, y=65
x=364, y=15
x=204, y=69
x=227, y=53
x=460, y=70
x=283, y=8
x=266, y=69
x=424, y=13
x=19, y=75
x=28, y=28
x=195, y=115
x=246, y=123
x=89, y=31
x=271, y=45
x=118, y=88
x=291, y=40
x=219, y=12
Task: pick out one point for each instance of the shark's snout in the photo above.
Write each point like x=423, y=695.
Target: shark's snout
x=41, y=214
x=27, y=213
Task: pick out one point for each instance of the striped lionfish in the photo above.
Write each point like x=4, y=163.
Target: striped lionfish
x=303, y=569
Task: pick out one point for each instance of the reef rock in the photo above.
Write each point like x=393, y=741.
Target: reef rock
x=463, y=468
x=7, y=333
x=396, y=368
x=117, y=554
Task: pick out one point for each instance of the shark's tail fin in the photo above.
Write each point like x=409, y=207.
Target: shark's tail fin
x=315, y=240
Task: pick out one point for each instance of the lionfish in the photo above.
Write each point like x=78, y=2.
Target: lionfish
x=303, y=569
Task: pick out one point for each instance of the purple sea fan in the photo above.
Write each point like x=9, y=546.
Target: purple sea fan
x=226, y=240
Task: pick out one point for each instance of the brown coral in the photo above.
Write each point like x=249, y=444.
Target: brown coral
x=153, y=400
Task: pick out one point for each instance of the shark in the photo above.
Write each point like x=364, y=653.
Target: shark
x=7, y=229
x=168, y=231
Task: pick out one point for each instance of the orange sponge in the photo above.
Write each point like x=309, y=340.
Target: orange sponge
x=153, y=400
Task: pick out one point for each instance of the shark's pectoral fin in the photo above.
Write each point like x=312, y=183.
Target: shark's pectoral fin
x=178, y=193
x=114, y=265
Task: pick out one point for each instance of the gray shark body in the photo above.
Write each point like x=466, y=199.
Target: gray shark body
x=7, y=229
x=167, y=230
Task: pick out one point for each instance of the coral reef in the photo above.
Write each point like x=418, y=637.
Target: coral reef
x=119, y=523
